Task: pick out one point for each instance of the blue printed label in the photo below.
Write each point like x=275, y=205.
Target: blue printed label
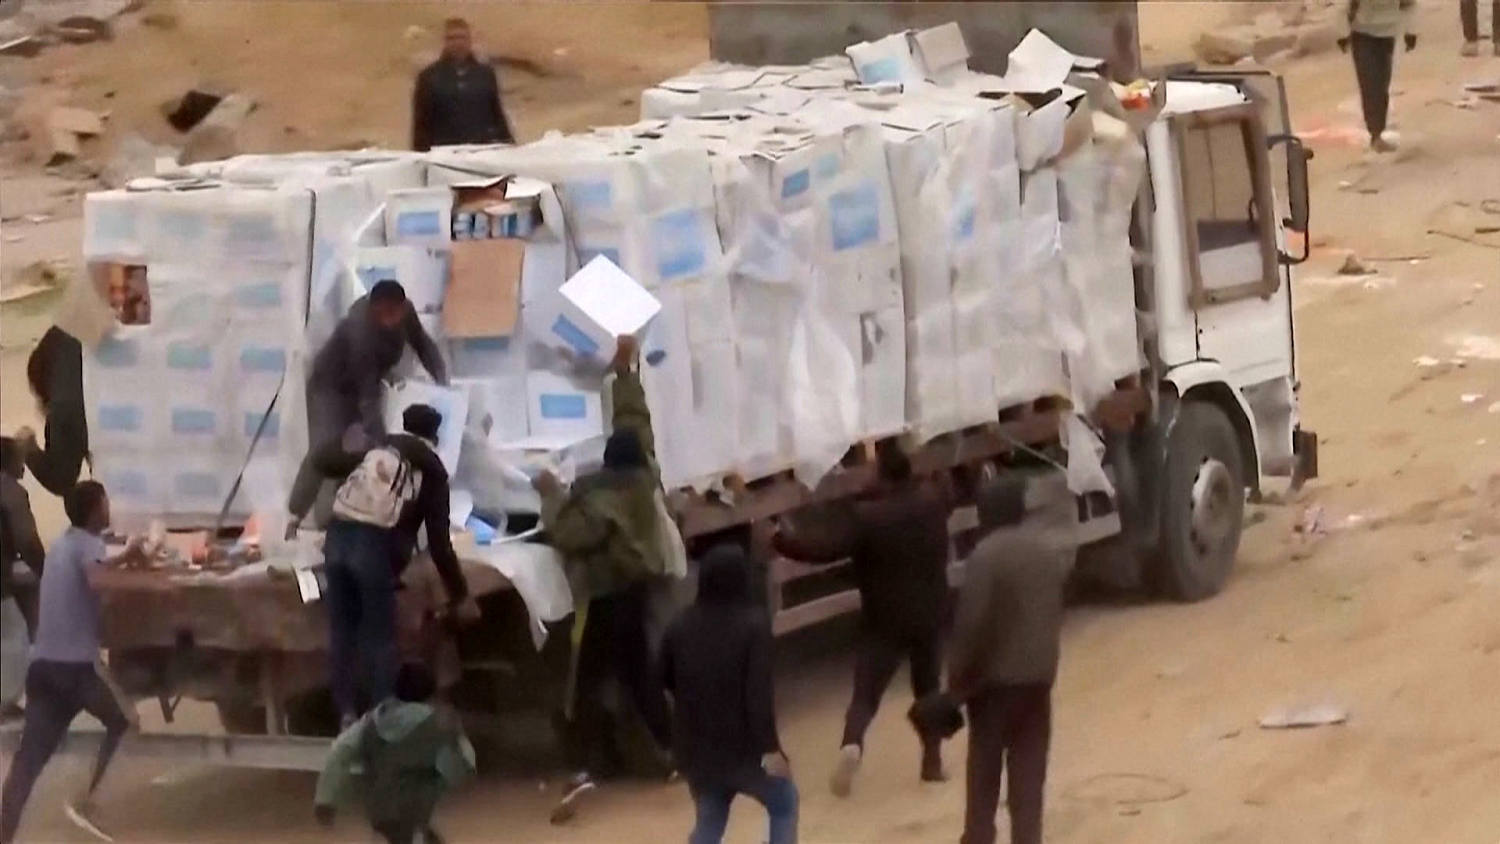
x=183, y=225
x=273, y=424
x=419, y=224
x=881, y=70
x=196, y=484
x=827, y=166
x=796, y=183
x=262, y=358
x=485, y=344
x=574, y=336
x=678, y=237
x=563, y=406
x=963, y=226
x=128, y=484
x=114, y=353
x=190, y=356
x=854, y=216
x=122, y=418
x=255, y=229
x=265, y=294
x=112, y=222
x=590, y=196
x=192, y=420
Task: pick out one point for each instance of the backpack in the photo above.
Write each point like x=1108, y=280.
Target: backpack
x=378, y=490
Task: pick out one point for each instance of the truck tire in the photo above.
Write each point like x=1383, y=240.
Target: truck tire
x=1203, y=504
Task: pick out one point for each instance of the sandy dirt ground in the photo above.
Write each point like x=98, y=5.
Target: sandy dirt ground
x=1387, y=612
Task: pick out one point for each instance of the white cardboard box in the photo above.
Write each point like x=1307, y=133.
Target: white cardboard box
x=557, y=408
x=597, y=305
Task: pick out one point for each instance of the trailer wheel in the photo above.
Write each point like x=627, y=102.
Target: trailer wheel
x=1203, y=504
x=246, y=719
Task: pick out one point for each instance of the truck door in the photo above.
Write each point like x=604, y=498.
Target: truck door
x=1238, y=287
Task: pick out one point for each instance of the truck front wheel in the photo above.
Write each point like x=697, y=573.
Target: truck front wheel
x=1203, y=504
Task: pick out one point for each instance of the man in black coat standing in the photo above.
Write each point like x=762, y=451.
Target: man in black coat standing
x=457, y=97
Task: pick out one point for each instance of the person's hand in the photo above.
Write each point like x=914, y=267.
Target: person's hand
x=292, y=526
x=546, y=483
x=1343, y=44
x=776, y=765
x=324, y=814
x=26, y=438
x=465, y=611
x=627, y=349
x=1411, y=41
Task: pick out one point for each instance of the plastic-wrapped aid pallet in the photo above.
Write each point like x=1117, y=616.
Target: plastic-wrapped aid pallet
x=174, y=403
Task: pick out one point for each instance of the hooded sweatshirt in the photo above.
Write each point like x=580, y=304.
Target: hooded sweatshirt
x=415, y=731
x=716, y=663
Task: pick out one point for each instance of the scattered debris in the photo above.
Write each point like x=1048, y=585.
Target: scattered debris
x=1224, y=46
x=134, y=157
x=1354, y=266
x=1292, y=718
x=1231, y=734
x=24, y=46
x=414, y=33
x=34, y=279
x=82, y=29
x=160, y=20
x=216, y=137
x=1471, y=398
x=1254, y=518
x=188, y=111
x=1311, y=523
x=1494, y=408
x=65, y=127
x=1127, y=789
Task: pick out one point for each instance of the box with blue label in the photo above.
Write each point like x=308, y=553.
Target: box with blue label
x=597, y=305
x=558, y=407
x=419, y=217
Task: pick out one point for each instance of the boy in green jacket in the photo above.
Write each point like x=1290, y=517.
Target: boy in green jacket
x=399, y=760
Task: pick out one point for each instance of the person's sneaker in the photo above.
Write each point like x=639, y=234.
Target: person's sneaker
x=842, y=782
x=1383, y=144
x=83, y=815
x=1469, y=50
x=574, y=791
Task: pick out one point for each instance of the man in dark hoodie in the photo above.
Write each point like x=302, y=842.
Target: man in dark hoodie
x=1004, y=649
x=716, y=664
x=400, y=758
x=344, y=387
x=363, y=562
x=898, y=542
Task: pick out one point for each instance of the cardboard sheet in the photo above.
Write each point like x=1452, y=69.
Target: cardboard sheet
x=484, y=288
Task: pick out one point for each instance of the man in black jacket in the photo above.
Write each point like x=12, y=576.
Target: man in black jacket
x=716, y=664
x=898, y=543
x=344, y=387
x=54, y=371
x=363, y=562
x=457, y=98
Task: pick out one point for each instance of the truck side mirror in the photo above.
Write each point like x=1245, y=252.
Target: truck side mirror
x=1298, y=206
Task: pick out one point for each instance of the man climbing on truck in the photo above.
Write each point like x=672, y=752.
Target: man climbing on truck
x=387, y=494
x=898, y=542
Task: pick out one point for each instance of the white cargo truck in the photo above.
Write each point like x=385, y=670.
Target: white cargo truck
x=1108, y=270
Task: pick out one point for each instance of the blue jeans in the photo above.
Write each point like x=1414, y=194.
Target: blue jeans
x=359, y=566
x=712, y=800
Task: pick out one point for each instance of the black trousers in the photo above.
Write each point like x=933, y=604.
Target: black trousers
x=878, y=655
x=1468, y=13
x=1373, y=60
x=615, y=646
x=1009, y=726
x=55, y=693
x=361, y=602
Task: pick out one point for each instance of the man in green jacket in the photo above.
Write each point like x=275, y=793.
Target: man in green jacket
x=607, y=528
x=398, y=760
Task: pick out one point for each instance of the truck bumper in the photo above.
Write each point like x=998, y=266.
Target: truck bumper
x=1305, y=447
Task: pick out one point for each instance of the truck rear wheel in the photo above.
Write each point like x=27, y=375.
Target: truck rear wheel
x=1203, y=506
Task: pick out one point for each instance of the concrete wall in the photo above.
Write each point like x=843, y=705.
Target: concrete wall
x=756, y=33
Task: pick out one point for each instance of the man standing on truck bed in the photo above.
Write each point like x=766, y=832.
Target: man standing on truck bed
x=898, y=543
x=1004, y=650
x=457, y=97
x=65, y=675
x=344, y=388
x=388, y=493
